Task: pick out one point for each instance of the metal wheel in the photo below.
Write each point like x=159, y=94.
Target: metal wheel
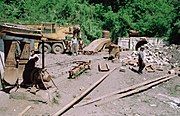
x=47, y=48
x=58, y=48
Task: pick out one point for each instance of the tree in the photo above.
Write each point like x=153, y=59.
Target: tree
x=149, y=17
x=175, y=25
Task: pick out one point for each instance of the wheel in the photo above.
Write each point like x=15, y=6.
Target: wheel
x=47, y=48
x=58, y=48
x=35, y=75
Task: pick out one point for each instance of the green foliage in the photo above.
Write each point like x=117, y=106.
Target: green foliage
x=175, y=25
x=158, y=18
x=116, y=24
x=150, y=18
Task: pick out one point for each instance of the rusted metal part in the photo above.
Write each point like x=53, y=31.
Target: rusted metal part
x=96, y=46
x=19, y=31
x=23, y=34
x=133, y=33
x=10, y=71
x=81, y=67
x=114, y=51
x=106, y=34
x=39, y=77
x=17, y=50
x=23, y=59
x=16, y=28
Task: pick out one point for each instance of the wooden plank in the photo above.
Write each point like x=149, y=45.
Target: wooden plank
x=25, y=110
x=69, y=105
x=137, y=90
x=103, y=67
x=123, y=90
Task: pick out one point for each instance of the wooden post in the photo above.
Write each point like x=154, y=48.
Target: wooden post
x=68, y=106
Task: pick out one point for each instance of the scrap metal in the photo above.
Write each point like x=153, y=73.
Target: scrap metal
x=81, y=67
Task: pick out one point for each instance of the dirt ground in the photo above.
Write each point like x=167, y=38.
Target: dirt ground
x=147, y=103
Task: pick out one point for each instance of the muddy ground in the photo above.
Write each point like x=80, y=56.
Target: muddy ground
x=150, y=102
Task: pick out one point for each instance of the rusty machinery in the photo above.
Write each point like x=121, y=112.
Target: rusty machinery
x=96, y=46
x=17, y=54
x=40, y=78
x=80, y=67
x=114, y=51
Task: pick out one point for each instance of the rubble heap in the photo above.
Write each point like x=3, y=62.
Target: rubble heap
x=157, y=55
x=163, y=55
x=173, y=54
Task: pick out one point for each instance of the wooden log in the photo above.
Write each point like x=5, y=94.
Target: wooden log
x=76, y=100
x=123, y=90
x=25, y=110
x=137, y=90
x=81, y=67
x=150, y=68
x=159, y=69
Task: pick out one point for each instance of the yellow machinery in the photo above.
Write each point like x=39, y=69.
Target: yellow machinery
x=55, y=37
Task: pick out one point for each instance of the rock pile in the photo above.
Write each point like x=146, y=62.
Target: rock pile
x=172, y=52
x=163, y=55
x=156, y=55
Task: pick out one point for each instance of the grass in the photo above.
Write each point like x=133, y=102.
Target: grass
x=175, y=90
x=55, y=99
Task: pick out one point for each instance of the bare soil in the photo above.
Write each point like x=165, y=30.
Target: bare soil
x=147, y=103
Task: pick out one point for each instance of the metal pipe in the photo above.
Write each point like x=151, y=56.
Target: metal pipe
x=43, y=54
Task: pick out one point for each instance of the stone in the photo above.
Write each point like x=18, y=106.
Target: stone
x=159, y=68
x=44, y=96
x=122, y=69
x=172, y=71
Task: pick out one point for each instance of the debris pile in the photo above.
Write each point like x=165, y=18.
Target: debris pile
x=156, y=55
x=172, y=52
x=114, y=51
x=80, y=66
x=163, y=55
